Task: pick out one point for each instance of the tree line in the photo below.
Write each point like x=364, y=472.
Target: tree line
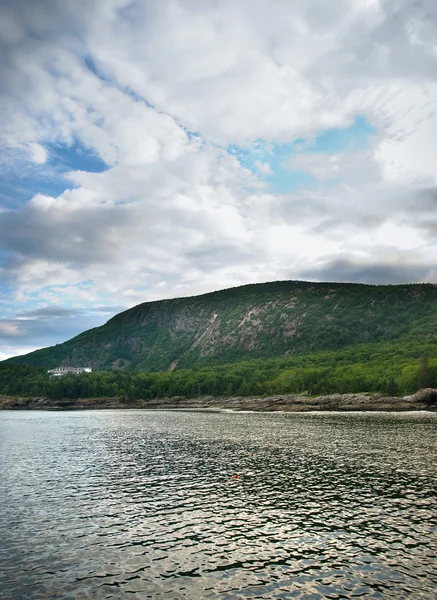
x=390, y=369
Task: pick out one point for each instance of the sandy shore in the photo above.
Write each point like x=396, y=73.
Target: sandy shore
x=422, y=400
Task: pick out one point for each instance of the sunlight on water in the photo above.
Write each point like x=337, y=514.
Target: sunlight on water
x=144, y=505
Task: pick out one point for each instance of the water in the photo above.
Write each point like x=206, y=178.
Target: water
x=132, y=504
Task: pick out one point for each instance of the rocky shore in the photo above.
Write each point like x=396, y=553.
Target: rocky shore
x=425, y=399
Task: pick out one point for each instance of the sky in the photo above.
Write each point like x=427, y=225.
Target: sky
x=160, y=149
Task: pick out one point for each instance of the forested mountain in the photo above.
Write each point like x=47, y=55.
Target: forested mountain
x=270, y=320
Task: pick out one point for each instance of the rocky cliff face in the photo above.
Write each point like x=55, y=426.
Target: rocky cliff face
x=254, y=321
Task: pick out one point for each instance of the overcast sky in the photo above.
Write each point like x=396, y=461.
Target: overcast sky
x=153, y=149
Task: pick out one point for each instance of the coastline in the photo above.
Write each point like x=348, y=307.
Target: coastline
x=425, y=399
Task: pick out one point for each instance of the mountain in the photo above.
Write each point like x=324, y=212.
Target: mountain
x=253, y=321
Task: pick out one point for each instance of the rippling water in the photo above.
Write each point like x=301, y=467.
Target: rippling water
x=135, y=504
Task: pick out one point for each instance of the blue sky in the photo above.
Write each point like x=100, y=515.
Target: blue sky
x=283, y=179
x=149, y=152
x=21, y=181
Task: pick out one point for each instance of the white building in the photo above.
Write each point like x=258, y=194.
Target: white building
x=61, y=371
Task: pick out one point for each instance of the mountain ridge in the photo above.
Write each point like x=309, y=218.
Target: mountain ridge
x=263, y=320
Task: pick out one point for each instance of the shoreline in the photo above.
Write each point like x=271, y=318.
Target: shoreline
x=425, y=399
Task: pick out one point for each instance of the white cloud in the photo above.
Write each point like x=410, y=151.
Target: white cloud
x=263, y=167
x=406, y=153
x=351, y=167
x=175, y=214
x=38, y=153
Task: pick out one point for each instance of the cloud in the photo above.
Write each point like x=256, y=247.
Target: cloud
x=38, y=153
x=58, y=312
x=160, y=91
x=56, y=229
x=47, y=312
x=257, y=70
x=9, y=329
x=47, y=325
x=263, y=168
x=351, y=167
x=365, y=272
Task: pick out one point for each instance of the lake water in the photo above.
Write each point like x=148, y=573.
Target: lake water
x=139, y=504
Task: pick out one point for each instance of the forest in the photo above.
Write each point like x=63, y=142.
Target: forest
x=394, y=369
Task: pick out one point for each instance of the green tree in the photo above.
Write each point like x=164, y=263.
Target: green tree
x=424, y=377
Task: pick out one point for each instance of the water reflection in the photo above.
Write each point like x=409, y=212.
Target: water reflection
x=107, y=504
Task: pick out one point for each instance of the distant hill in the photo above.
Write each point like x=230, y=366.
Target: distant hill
x=266, y=320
